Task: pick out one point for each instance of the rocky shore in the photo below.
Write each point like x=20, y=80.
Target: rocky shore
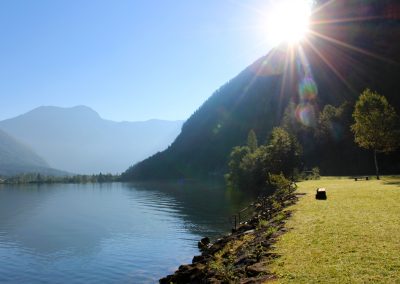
x=242, y=256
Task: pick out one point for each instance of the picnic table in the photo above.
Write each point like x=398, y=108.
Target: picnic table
x=361, y=178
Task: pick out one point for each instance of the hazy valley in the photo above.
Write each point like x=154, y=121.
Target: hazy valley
x=77, y=140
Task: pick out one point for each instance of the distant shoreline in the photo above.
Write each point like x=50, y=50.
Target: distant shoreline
x=36, y=178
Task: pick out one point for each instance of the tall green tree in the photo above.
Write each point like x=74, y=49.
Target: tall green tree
x=252, y=140
x=237, y=174
x=251, y=169
x=376, y=124
x=334, y=123
x=284, y=152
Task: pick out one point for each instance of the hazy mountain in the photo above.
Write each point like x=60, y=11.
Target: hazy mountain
x=78, y=140
x=16, y=158
x=343, y=57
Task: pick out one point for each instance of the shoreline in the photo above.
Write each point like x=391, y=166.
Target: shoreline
x=242, y=256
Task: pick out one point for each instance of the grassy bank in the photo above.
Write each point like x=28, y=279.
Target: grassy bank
x=352, y=237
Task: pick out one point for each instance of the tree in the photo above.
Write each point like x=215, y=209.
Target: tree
x=252, y=140
x=334, y=122
x=251, y=169
x=284, y=152
x=236, y=175
x=375, y=126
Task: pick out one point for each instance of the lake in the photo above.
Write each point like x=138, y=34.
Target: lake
x=107, y=233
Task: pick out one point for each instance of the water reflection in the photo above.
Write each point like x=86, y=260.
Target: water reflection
x=205, y=207
x=131, y=233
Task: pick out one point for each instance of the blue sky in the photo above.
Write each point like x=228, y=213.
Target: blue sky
x=128, y=60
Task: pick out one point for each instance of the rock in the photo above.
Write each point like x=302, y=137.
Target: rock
x=183, y=267
x=245, y=227
x=256, y=269
x=204, y=242
x=217, y=246
x=185, y=274
x=245, y=260
x=265, y=244
x=198, y=258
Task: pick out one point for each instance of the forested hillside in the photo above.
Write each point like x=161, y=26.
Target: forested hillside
x=16, y=158
x=309, y=89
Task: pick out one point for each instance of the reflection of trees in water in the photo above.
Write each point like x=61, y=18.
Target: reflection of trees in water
x=205, y=207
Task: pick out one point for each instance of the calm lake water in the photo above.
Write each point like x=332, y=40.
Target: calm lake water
x=107, y=233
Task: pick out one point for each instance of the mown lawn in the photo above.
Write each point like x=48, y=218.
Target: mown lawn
x=352, y=237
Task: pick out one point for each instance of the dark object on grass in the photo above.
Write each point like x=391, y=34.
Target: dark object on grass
x=321, y=194
x=362, y=177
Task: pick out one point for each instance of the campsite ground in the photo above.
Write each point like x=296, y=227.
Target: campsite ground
x=352, y=237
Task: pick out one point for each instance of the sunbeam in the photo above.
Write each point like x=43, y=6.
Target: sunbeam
x=329, y=64
x=349, y=46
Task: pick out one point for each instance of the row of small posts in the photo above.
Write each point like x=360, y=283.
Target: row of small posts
x=265, y=202
x=241, y=215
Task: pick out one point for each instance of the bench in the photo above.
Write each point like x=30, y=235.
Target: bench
x=361, y=178
x=321, y=194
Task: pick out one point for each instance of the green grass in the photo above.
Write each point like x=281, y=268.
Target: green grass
x=352, y=237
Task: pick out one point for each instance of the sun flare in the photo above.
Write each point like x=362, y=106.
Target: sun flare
x=288, y=21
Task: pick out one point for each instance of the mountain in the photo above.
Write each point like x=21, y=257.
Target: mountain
x=222, y=122
x=353, y=45
x=17, y=158
x=78, y=140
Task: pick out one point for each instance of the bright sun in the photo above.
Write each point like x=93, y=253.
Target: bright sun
x=288, y=21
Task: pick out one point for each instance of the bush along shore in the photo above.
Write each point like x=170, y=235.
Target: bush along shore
x=244, y=255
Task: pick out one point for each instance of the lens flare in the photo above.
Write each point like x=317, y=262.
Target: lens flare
x=305, y=114
x=306, y=111
x=307, y=89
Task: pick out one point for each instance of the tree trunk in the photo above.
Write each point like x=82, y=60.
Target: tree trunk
x=376, y=165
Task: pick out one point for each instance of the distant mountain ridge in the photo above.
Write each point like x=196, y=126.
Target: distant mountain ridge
x=78, y=140
x=17, y=158
x=343, y=57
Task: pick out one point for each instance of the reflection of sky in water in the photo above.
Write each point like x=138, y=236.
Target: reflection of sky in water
x=105, y=233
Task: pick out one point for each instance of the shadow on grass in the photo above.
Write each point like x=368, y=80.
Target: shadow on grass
x=391, y=181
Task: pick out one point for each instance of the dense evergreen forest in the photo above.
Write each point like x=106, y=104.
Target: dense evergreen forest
x=309, y=90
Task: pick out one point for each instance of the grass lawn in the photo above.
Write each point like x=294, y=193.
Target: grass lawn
x=352, y=237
